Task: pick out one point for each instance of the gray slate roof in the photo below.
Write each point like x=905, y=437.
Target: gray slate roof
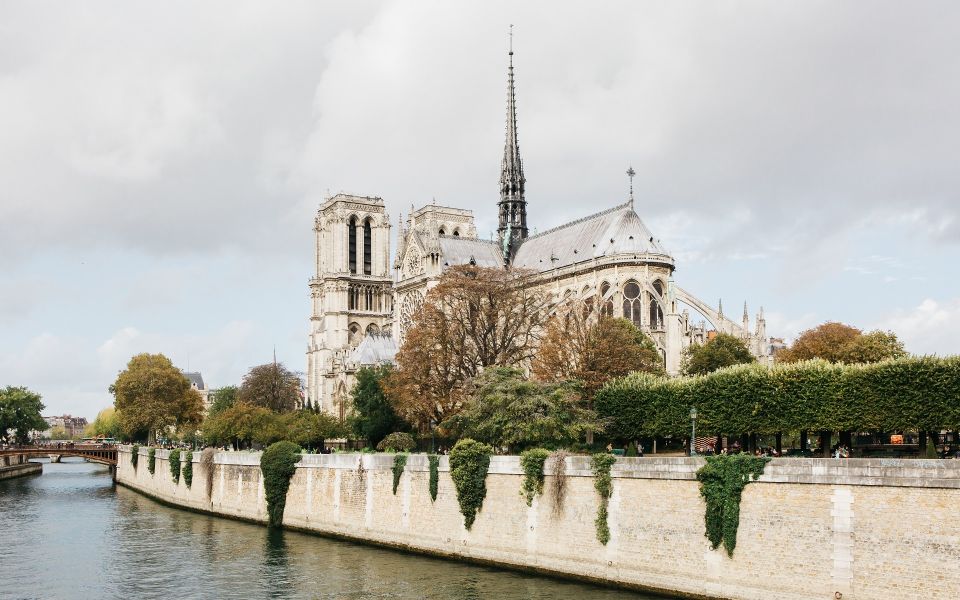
x=617, y=230
x=459, y=251
x=195, y=378
x=374, y=349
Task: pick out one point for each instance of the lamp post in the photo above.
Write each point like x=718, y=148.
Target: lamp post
x=693, y=433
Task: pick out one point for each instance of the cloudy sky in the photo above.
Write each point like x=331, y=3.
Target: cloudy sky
x=160, y=163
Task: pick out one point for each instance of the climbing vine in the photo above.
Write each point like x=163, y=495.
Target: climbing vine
x=603, y=483
x=278, y=463
x=188, y=468
x=722, y=481
x=134, y=455
x=206, y=459
x=532, y=462
x=469, y=461
x=174, y=460
x=434, y=461
x=559, y=488
x=399, y=463
x=152, y=460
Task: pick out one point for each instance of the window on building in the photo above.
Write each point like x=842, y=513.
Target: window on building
x=442, y=231
x=352, y=243
x=606, y=307
x=632, y=309
x=367, y=248
x=656, y=313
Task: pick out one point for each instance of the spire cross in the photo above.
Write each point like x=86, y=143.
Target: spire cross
x=630, y=174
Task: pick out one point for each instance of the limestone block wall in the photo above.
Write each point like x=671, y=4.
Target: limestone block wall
x=809, y=528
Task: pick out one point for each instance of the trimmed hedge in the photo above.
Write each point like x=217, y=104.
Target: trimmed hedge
x=918, y=393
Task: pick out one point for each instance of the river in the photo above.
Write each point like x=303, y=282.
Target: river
x=72, y=534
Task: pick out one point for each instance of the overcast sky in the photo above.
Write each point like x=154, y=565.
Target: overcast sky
x=161, y=163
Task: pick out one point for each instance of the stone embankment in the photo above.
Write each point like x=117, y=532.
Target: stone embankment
x=809, y=528
x=18, y=465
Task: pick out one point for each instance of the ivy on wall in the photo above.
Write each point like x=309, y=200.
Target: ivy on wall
x=188, y=468
x=559, y=488
x=152, y=460
x=434, y=461
x=174, y=460
x=399, y=463
x=469, y=462
x=206, y=460
x=722, y=481
x=603, y=483
x=278, y=463
x=135, y=455
x=532, y=462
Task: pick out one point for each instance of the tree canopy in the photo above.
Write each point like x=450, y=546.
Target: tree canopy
x=107, y=424
x=223, y=398
x=722, y=351
x=20, y=413
x=151, y=394
x=473, y=319
x=373, y=416
x=508, y=411
x=837, y=342
x=244, y=424
x=270, y=386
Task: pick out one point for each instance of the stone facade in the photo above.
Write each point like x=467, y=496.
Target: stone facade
x=809, y=528
x=609, y=260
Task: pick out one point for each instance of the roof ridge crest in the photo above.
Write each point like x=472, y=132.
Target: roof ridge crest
x=580, y=220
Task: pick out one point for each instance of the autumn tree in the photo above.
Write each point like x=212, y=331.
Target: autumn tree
x=373, y=416
x=837, y=342
x=473, y=319
x=271, y=386
x=511, y=412
x=223, y=398
x=107, y=424
x=151, y=395
x=722, y=351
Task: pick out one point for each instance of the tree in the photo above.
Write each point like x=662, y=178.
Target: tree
x=107, y=424
x=271, y=386
x=508, y=411
x=373, y=415
x=59, y=433
x=309, y=429
x=223, y=398
x=722, y=351
x=578, y=346
x=839, y=343
x=20, y=413
x=473, y=319
x=151, y=395
x=238, y=425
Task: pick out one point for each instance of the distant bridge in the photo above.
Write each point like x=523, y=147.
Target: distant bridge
x=98, y=453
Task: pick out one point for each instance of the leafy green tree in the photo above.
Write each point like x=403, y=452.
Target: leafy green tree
x=873, y=347
x=309, y=429
x=271, y=386
x=373, y=415
x=20, y=413
x=223, y=398
x=151, y=395
x=722, y=351
x=840, y=343
x=238, y=425
x=508, y=411
x=107, y=424
x=59, y=433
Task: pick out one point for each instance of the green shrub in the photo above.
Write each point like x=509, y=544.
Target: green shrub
x=397, y=442
x=278, y=463
x=152, y=460
x=601, y=464
x=469, y=461
x=135, y=455
x=174, y=460
x=532, y=462
x=434, y=461
x=722, y=481
x=399, y=463
x=188, y=468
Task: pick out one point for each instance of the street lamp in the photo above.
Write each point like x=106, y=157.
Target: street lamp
x=693, y=434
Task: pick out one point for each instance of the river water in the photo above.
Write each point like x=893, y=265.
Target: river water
x=71, y=533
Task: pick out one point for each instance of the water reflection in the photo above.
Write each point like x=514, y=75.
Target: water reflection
x=71, y=534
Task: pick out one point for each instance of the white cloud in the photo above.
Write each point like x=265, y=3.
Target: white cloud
x=932, y=327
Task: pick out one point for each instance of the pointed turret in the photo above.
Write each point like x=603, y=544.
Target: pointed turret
x=746, y=320
x=512, y=205
x=720, y=308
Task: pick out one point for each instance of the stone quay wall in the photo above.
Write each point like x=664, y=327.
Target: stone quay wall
x=18, y=465
x=809, y=528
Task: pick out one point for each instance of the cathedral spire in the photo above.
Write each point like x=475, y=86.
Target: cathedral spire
x=513, y=207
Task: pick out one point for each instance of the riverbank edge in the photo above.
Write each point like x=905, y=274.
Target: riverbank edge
x=21, y=470
x=514, y=567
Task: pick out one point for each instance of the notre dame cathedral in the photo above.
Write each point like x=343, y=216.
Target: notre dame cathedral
x=361, y=304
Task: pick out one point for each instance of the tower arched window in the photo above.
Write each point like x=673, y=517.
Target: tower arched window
x=352, y=243
x=606, y=306
x=456, y=233
x=367, y=248
x=656, y=312
x=632, y=310
x=443, y=231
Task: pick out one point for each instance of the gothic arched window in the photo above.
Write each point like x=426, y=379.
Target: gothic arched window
x=442, y=231
x=632, y=310
x=656, y=312
x=372, y=329
x=352, y=243
x=606, y=307
x=353, y=335
x=456, y=233
x=367, y=248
